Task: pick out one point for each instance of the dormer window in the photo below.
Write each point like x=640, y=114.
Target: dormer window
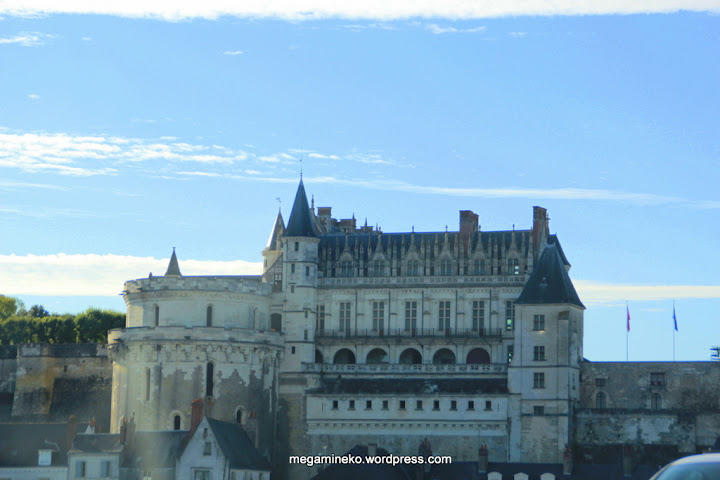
x=513, y=266
x=44, y=458
x=413, y=268
x=378, y=268
x=446, y=267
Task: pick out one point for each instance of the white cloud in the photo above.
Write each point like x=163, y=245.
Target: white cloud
x=368, y=9
x=26, y=39
x=33, y=96
x=437, y=30
x=97, y=275
x=598, y=293
x=233, y=52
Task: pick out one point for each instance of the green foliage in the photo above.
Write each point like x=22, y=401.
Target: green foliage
x=90, y=326
x=8, y=306
x=38, y=311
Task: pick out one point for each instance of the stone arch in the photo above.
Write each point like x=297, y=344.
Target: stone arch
x=318, y=356
x=444, y=356
x=376, y=355
x=175, y=420
x=477, y=356
x=344, y=357
x=239, y=417
x=410, y=356
x=276, y=322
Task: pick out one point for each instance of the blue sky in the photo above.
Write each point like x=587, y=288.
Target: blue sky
x=125, y=133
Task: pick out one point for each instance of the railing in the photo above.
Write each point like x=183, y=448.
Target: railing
x=475, y=369
x=518, y=280
x=413, y=332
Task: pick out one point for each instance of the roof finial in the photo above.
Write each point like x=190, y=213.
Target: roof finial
x=301, y=168
x=279, y=203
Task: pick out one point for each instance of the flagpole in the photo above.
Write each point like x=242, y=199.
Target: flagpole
x=627, y=333
x=674, y=329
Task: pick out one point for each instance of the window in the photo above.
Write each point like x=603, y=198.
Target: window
x=307, y=271
x=368, y=404
x=479, y=267
x=292, y=268
x=386, y=403
x=209, y=316
x=538, y=410
x=147, y=384
x=419, y=405
x=378, y=268
x=292, y=288
x=207, y=448
x=509, y=315
x=378, y=318
x=538, y=380
x=471, y=405
x=345, y=317
x=600, y=382
x=478, y=315
x=105, y=469
x=297, y=246
x=80, y=469
x=539, y=323
x=209, y=379
x=351, y=405
x=444, y=315
x=320, y=321
x=539, y=353
x=402, y=405
x=510, y=351
x=436, y=404
x=292, y=350
x=657, y=379
x=513, y=266
x=147, y=475
x=410, y=315
x=453, y=404
x=600, y=401
x=346, y=269
x=335, y=404
x=655, y=401
x=446, y=267
x=413, y=268
x=157, y=315
x=488, y=405
x=201, y=475
x=238, y=416
x=176, y=422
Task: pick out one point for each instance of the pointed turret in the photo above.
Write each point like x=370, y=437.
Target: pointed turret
x=276, y=233
x=173, y=269
x=300, y=223
x=549, y=282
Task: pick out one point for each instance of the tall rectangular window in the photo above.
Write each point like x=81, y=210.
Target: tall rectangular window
x=345, y=317
x=539, y=353
x=378, y=268
x=346, y=269
x=478, y=315
x=378, y=316
x=413, y=268
x=538, y=380
x=509, y=315
x=320, y=318
x=510, y=351
x=410, y=315
x=513, y=266
x=80, y=469
x=446, y=267
x=539, y=323
x=105, y=470
x=444, y=315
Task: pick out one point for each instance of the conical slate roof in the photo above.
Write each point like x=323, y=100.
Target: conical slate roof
x=173, y=269
x=300, y=223
x=549, y=281
x=277, y=232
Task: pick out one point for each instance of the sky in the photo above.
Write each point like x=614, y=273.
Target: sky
x=127, y=130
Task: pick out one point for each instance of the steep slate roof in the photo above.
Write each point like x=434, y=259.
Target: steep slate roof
x=20, y=442
x=156, y=449
x=365, y=471
x=277, y=231
x=300, y=223
x=237, y=446
x=400, y=386
x=549, y=281
x=97, y=443
x=173, y=269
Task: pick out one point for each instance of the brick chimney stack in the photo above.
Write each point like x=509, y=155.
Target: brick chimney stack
x=469, y=224
x=196, y=414
x=541, y=228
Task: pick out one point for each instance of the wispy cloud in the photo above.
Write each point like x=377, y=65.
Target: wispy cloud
x=438, y=30
x=233, y=52
x=380, y=10
x=103, y=275
x=26, y=39
x=34, y=97
x=598, y=293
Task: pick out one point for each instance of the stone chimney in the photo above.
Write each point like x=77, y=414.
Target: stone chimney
x=252, y=427
x=372, y=449
x=469, y=224
x=325, y=216
x=567, y=461
x=541, y=228
x=196, y=414
x=72, y=430
x=482, y=459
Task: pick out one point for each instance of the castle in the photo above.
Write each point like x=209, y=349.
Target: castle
x=353, y=336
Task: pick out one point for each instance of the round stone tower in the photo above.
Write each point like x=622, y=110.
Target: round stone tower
x=196, y=337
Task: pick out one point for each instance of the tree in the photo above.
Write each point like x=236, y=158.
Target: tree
x=8, y=306
x=38, y=311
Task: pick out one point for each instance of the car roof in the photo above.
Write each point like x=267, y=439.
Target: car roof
x=702, y=458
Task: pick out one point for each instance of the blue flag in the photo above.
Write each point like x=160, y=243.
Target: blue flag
x=674, y=319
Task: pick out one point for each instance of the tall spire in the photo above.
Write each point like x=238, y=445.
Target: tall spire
x=277, y=231
x=173, y=269
x=300, y=223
